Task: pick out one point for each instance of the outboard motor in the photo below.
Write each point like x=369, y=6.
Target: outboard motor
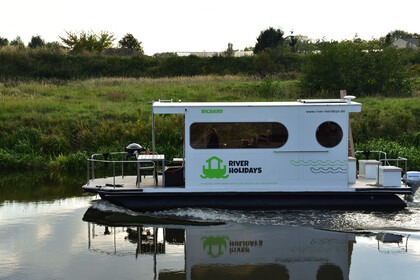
x=412, y=179
x=133, y=148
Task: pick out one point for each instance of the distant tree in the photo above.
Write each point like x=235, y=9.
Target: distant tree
x=36, y=42
x=104, y=41
x=293, y=42
x=87, y=41
x=17, y=42
x=130, y=42
x=229, y=51
x=54, y=45
x=358, y=68
x=269, y=39
x=303, y=44
x=388, y=39
x=3, y=42
x=357, y=39
x=396, y=34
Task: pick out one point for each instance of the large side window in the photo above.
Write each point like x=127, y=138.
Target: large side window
x=235, y=135
x=329, y=134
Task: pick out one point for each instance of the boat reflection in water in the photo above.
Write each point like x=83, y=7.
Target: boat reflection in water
x=223, y=251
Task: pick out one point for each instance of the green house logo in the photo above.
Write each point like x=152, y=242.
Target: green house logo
x=215, y=245
x=214, y=169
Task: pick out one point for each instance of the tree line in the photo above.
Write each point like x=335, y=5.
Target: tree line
x=361, y=67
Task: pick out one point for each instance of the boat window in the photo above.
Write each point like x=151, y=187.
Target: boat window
x=234, y=135
x=329, y=134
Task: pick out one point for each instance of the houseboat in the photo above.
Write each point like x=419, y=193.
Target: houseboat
x=253, y=155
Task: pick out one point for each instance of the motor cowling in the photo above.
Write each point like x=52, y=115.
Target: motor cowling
x=412, y=178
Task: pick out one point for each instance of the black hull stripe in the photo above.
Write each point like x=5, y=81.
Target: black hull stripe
x=153, y=201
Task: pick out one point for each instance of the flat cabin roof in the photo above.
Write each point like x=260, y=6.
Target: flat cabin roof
x=171, y=107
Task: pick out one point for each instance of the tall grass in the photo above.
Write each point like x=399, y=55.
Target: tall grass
x=55, y=126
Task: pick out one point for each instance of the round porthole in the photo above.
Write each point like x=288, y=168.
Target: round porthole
x=329, y=134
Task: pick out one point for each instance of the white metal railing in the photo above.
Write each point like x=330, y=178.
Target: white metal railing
x=397, y=162
x=380, y=154
x=122, y=159
x=385, y=161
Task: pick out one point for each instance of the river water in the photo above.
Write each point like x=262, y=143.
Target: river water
x=50, y=230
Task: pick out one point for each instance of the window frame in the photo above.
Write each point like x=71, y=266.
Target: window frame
x=239, y=135
x=328, y=140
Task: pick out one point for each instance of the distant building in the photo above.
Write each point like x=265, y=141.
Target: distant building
x=211, y=54
x=243, y=53
x=200, y=54
x=406, y=43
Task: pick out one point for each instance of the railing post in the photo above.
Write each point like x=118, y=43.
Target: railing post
x=138, y=175
x=122, y=168
x=88, y=171
x=93, y=169
x=113, y=172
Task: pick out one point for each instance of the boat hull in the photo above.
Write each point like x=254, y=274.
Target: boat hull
x=144, y=201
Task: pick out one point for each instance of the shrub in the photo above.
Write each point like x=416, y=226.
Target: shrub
x=358, y=69
x=76, y=161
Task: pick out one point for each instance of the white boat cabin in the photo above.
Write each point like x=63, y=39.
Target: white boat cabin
x=265, y=146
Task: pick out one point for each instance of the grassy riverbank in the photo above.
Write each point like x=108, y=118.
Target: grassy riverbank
x=51, y=126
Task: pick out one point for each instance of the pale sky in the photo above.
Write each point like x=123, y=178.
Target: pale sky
x=194, y=25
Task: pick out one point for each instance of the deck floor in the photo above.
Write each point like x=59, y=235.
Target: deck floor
x=127, y=182
x=363, y=183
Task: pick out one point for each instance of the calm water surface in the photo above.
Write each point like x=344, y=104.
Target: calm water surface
x=49, y=230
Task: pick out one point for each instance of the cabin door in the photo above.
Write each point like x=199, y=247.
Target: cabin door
x=323, y=144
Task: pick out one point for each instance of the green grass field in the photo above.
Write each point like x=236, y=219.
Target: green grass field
x=50, y=126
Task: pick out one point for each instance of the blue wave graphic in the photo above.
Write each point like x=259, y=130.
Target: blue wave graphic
x=328, y=170
x=319, y=162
